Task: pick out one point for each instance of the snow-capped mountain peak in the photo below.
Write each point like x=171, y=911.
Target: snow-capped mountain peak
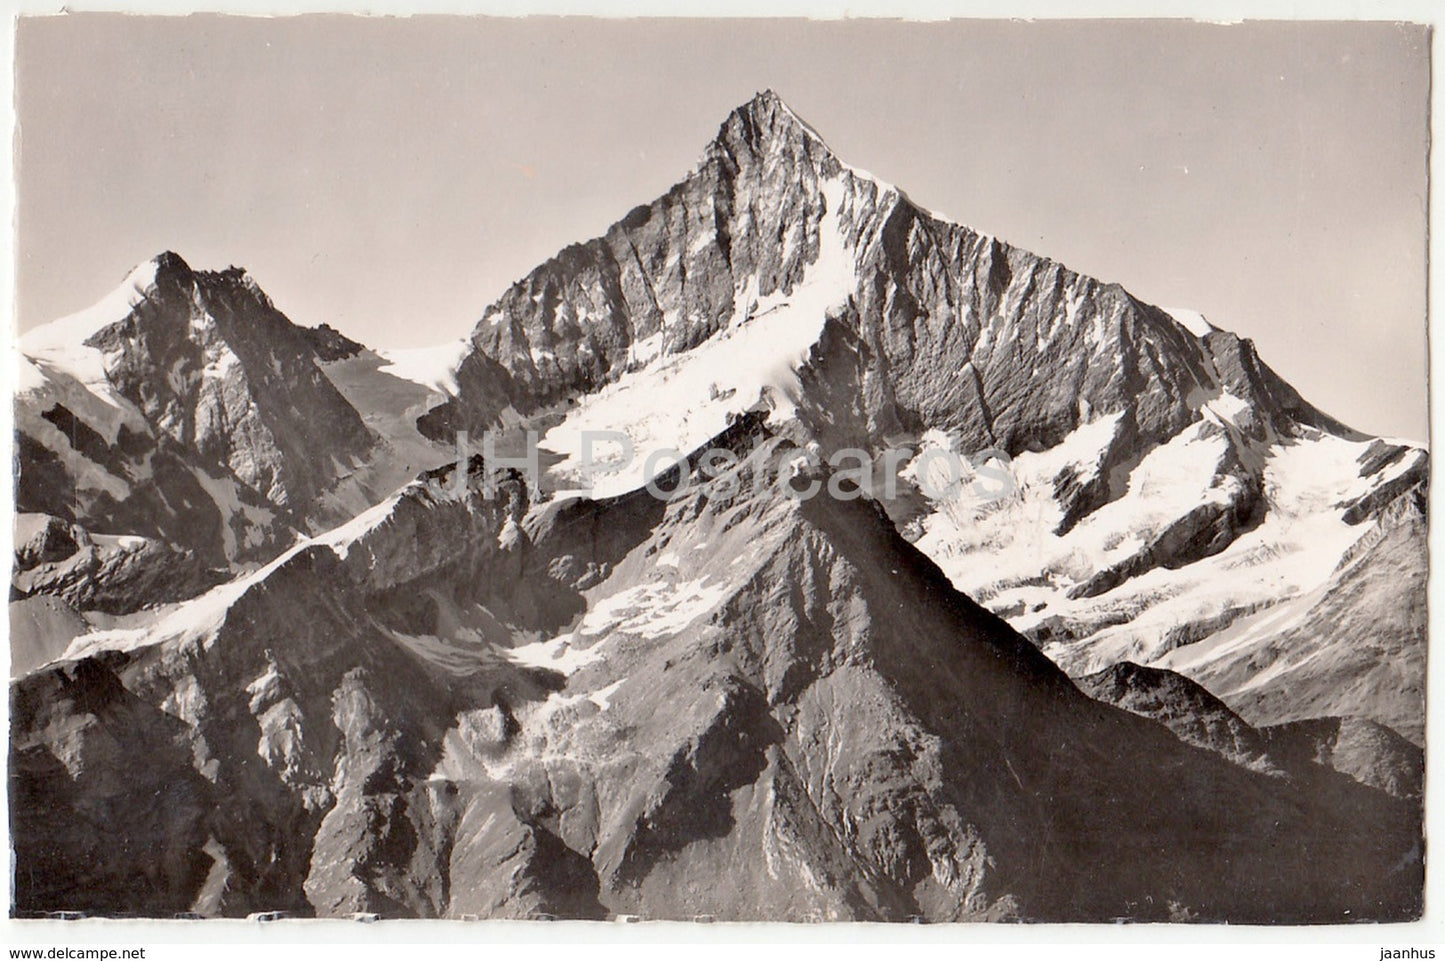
x=1147, y=441
x=62, y=344
x=182, y=407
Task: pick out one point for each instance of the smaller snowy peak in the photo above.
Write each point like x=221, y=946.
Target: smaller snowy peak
x=61, y=345
x=1191, y=320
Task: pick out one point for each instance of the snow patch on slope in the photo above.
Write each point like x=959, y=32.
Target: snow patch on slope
x=557, y=654
x=602, y=697
x=678, y=402
x=60, y=344
x=1191, y=320
x=194, y=620
x=432, y=367
x=1006, y=554
x=1226, y=409
x=650, y=611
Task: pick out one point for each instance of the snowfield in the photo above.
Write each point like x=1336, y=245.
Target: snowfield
x=680, y=402
x=60, y=344
x=1007, y=555
x=432, y=367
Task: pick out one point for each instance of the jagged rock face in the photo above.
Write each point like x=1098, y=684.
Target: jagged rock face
x=1180, y=484
x=733, y=704
x=120, y=477
x=665, y=278
x=961, y=333
x=212, y=364
x=184, y=410
x=946, y=328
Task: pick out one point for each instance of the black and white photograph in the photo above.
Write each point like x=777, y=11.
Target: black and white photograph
x=787, y=472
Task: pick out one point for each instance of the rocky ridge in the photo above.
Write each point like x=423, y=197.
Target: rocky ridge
x=1363, y=750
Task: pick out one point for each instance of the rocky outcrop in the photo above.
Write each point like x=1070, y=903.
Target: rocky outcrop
x=42, y=539
x=74, y=790
x=1359, y=748
x=329, y=344
x=113, y=575
x=1362, y=750
x=1191, y=712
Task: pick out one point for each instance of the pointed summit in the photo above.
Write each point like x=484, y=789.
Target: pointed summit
x=762, y=104
x=169, y=260
x=765, y=124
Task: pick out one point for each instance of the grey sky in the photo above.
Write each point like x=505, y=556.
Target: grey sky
x=391, y=177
